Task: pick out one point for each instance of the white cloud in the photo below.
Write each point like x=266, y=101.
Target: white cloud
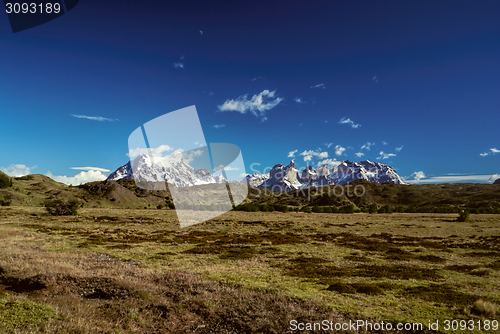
x=494, y=177
x=91, y=168
x=179, y=65
x=218, y=126
x=417, y=176
x=299, y=100
x=291, y=154
x=319, y=86
x=155, y=152
x=385, y=155
x=398, y=149
x=95, y=118
x=328, y=144
x=80, y=178
x=257, y=105
x=455, y=178
x=359, y=154
x=189, y=156
x=384, y=142
x=367, y=146
x=308, y=155
x=492, y=151
x=339, y=150
x=344, y=120
x=201, y=32
x=330, y=163
x=16, y=170
x=323, y=155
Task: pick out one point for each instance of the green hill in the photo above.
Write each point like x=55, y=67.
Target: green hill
x=479, y=198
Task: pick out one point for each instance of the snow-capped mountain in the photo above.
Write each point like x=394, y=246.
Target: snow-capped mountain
x=255, y=179
x=349, y=171
x=287, y=178
x=283, y=178
x=174, y=170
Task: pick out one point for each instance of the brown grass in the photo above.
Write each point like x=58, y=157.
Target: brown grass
x=136, y=271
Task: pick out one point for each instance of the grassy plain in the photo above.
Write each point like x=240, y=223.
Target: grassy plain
x=135, y=271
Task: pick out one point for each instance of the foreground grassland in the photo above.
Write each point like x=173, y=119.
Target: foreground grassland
x=136, y=271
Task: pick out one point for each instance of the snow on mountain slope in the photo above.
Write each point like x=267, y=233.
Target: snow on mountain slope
x=174, y=170
x=288, y=178
x=349, y=171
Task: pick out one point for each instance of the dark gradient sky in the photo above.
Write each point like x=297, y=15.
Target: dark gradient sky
x=436, y=93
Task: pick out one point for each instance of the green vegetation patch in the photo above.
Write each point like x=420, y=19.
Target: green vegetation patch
x=15, y=315
x=441, y=294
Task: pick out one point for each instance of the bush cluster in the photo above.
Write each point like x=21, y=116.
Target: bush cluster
x=58, y=207
x=254, y=207
x=463, y=215
x=5, y=180
x=5, y=200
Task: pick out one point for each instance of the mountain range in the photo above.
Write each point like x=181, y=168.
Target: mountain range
x=280, y=178
x=175, y=171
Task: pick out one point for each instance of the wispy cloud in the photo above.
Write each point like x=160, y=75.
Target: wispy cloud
x=179, y=65
x=95, y=118
x=339, y=150
x=201, y=32
x=367, y=146
x=398, y=149
x=299, y=100
x=16, y=170
x=492, y=151
x=348, y=121
x=420, y=177
x=257, y=78
x=218, y=126
x=91, y=168
x=291, y=154
x=322, y=86
x=359, y=154
x=258, y=105
x=328, y=144
x=385, y=155
x=375, y=79
x=384, y=142
x=226, y=168
x=308, y=155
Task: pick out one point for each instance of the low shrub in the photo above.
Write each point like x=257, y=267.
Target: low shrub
x=5, y=200
x=5, y=180
x=58, y=207
x=463, y=215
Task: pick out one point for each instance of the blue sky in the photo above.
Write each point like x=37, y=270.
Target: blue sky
x=415, y=85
